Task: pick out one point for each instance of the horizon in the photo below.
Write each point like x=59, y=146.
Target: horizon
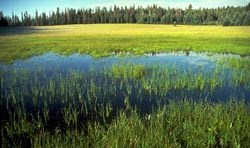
x=18, y=6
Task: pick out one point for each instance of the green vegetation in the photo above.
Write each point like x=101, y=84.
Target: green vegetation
x=103, y=40
x=124, y=105
x=142, y=15
x=178, y=124
x=131, y=71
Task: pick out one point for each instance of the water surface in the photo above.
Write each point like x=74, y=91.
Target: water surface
x=68, y=79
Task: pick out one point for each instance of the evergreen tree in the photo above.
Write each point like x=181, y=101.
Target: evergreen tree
x=149, y=15
x=246, y=19
x=3, y=20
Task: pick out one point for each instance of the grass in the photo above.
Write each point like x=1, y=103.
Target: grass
x=178, y=124
x=131, y=71
x=103, y=39
x=125, y=105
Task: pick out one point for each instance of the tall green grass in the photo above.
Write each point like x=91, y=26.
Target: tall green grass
x=124, y=105
x=178, y=124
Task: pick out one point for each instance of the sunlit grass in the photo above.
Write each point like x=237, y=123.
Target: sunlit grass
x=103, y=39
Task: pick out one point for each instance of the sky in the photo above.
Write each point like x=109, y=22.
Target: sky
x=18, y=6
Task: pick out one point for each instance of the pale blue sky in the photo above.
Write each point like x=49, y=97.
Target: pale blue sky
x=18, y=6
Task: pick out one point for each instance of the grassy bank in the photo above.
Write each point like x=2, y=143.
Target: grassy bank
x=101, y=40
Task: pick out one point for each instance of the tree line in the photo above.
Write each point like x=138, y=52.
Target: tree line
x=150, y=15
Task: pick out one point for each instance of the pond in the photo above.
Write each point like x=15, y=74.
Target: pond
x=107, y=84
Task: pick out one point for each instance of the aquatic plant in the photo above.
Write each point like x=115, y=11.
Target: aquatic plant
x=126, y=104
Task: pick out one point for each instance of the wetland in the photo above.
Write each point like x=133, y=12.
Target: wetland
x=126, y=99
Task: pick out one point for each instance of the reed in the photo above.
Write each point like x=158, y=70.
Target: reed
x=126, y=104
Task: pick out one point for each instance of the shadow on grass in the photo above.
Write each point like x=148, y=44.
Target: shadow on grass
x=19, y=30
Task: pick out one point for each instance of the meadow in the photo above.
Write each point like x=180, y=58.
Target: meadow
x=104, y=39
x=123, y=85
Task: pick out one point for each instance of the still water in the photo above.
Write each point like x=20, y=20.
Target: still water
x=36, y=75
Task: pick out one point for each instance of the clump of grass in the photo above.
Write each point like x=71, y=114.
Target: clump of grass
x=238, y=63
x=128, y=71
